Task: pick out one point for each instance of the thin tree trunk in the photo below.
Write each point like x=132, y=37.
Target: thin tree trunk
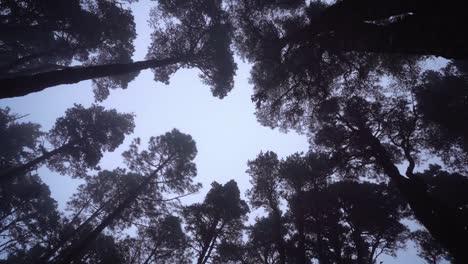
x=8, y=214
x=11, y=173
x=207, y=243
x=153, y=252
x=278, y=237
x=67, y=237
x=23, y=85
x=202, y=253
x=76, y=250
x=299, y=221
x=213, y=242
x=302, y=258
x=361, y=250
x=13, y=222
x=148, y=259
x=372, y=257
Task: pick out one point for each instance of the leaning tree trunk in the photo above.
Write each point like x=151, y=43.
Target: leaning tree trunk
x=67, y=236
x=443, y=222
x=11, y=173
x=23, y=85
x=212, y=244
x=423, y=28
x=76, y=250
x=206, y=243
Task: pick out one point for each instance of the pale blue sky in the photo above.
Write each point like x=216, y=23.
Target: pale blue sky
x=226, y=131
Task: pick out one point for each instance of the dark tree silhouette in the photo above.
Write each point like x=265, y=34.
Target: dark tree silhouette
x=404, y=27
x=348, y=74
x=195, y=34
x=103, y=250
x=298, y=176
x=28, y=215
x=428, y=249
x=79, y=140
x=264, y=173
x=219, y=218
x=373, y=214
x=93, y=201
x=442, y=103
x=168, y=168
x=283, y=70
x=290, y=77
x=43, y=36
x=19, y=140
x=447, y=188
x=342, y=222
x=162, y=241
x=261, y=244
x=376, y=124
x=378, y=135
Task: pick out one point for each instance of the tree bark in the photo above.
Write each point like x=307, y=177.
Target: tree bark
x=428, y=28
x=365, y=10
x=443, y=222
x=150, y=256
x=300, y=226
x=361, y=249
x=23, y=85
x=207, y=243
x=67, y=236
x=212, y=244
x=11, y=173
x=76, y=250
x=278, y=237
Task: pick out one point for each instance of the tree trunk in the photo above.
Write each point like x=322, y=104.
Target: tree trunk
x=150, y=256
x=11, y=173
x=361, y=249
x=349, y=11
x=443, y=222
x=76, y=250
x=301, y=258
x=23, y=85
x=428, y=28
x=299, y=222
x=202, y=254
x=412, y=36
x=321, y=248
x=67, y=236
x=213, y=242
x=278, y=237
x=207, y=243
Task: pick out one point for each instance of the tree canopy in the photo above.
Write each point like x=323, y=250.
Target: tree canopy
x=194, y=34
x=78, y=140
x=386, y=125
x=42, y=36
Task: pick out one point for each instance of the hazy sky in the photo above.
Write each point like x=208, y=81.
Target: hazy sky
x=226, y=131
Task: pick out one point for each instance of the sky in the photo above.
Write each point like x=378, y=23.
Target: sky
x=226, y=131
